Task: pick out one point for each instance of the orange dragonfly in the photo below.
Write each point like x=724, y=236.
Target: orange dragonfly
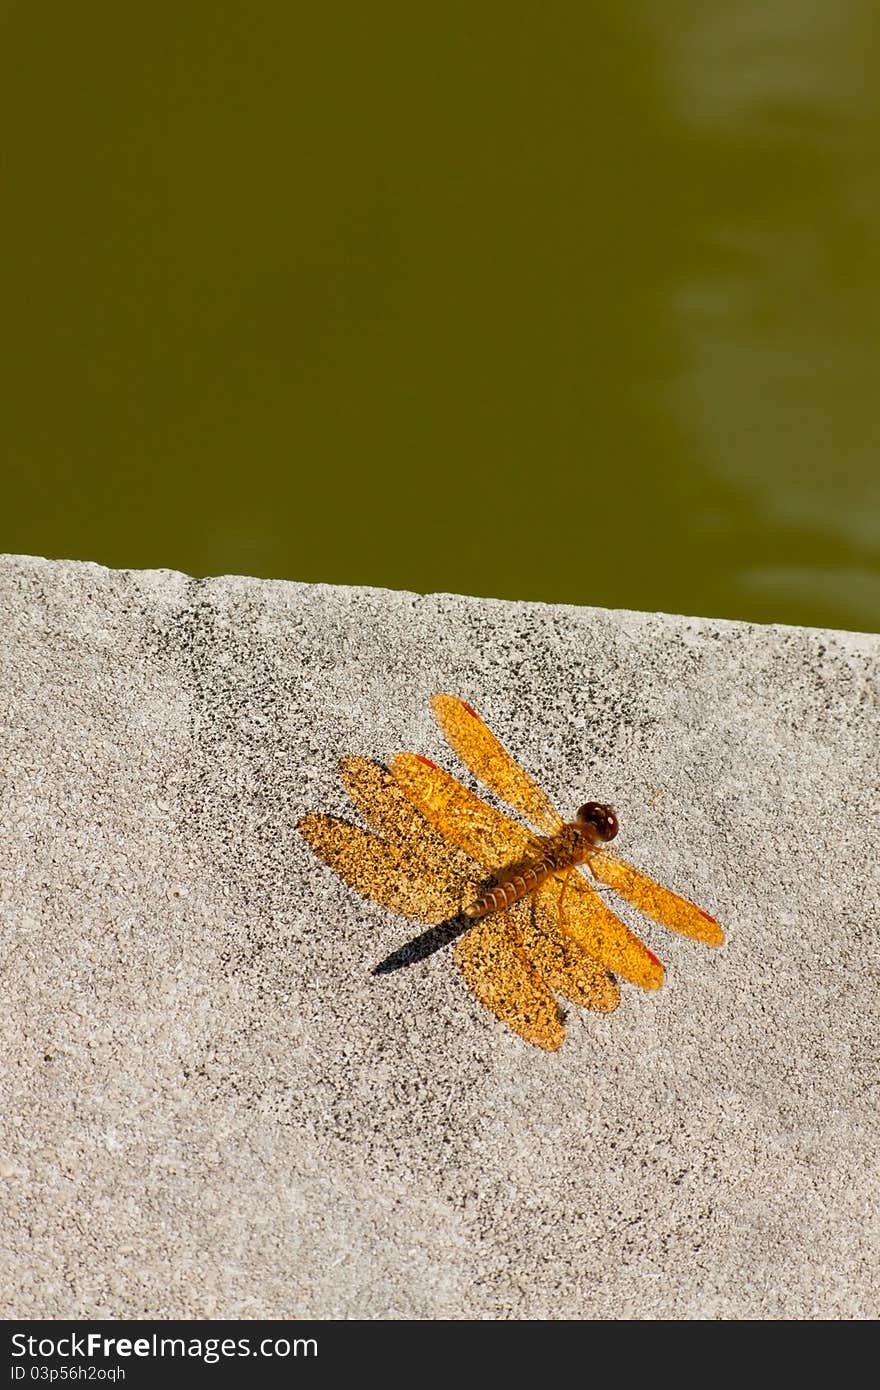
x=536, y=927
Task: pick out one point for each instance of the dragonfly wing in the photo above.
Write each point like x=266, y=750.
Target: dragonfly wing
x=496, y=968
x=583, y=916
x=564, y=965
x=490, y=761
x=657, y=902
x=406, y=883
x=484, y=834
x=381, y=801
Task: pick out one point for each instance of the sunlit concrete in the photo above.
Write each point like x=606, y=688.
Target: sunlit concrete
x=210, y=1106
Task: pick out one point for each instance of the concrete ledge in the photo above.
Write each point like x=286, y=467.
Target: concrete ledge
x=211, y=1107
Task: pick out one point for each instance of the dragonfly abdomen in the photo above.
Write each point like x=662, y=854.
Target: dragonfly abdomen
x=511, y=890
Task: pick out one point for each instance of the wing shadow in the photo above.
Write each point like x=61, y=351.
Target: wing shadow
x=407, y=866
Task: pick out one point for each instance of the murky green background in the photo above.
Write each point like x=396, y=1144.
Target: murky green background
x=570, y=302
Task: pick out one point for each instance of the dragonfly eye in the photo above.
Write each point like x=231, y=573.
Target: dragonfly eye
x=601, y=817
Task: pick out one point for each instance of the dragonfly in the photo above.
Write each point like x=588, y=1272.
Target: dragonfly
x=528, y=924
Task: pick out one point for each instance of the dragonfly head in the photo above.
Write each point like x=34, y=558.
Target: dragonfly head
x=598, y=821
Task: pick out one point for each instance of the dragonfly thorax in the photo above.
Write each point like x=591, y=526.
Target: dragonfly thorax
x=575, y=843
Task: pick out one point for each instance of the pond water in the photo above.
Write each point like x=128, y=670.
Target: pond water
x=573, y=303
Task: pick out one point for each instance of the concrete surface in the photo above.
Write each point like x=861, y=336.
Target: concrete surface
x=212, y=1107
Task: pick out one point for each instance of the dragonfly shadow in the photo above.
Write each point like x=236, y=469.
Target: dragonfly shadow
x=430, y=941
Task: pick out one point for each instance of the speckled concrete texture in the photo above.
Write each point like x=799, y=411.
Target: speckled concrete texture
x=212, y=1107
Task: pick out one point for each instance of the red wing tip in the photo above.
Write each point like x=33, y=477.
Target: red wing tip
x=717, y=937
x=656, y=981
x=439, y=698
x=426, y=761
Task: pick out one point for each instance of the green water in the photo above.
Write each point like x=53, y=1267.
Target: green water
x=574, y=302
